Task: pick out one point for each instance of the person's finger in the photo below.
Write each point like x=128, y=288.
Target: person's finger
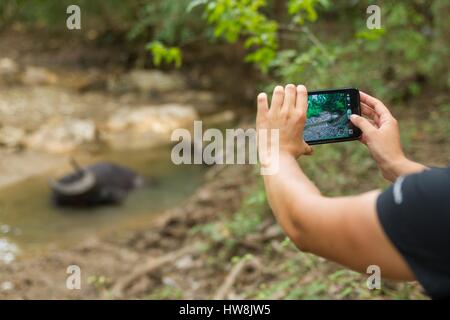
x=277, y=98
x=263, y=107
x=372, y=122
x=367, y=111
x=309, y=150
x=301, y=102
x=289, y=98
x=362, y=123
x=370, y=114
x=363, y=139
x=375, y=104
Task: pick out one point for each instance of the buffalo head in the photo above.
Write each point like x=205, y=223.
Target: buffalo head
x=98, y=184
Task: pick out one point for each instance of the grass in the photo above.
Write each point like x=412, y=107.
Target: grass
x=338, y=169
x=287, y=273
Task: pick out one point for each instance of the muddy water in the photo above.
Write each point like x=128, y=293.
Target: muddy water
x=29, y=223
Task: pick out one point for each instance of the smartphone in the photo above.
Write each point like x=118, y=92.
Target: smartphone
x=328, y=116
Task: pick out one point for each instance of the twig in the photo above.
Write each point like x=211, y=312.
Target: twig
x=150, y=266
x=226, y=286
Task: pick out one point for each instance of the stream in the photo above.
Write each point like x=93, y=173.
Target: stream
x=29, y=223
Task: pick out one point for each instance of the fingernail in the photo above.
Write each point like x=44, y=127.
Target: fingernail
x=301, y=87
x=278, y=88
x=353, y=116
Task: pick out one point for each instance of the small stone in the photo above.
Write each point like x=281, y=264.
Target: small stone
x=38, y=76
x=221, y=118
x=146, y=126
x=61, y=137
x=185, y=262
x=8, y=251
x=4, y=228
x=155, y=80
x=6, y=285
x=11, y=136
x=9, y=69
x=168, y=281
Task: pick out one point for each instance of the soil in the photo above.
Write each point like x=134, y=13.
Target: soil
x=174, y=255
x=107, y=262
x=72, y=83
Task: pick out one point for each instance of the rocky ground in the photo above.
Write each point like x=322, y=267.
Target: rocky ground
x=54, y=103
x=326, y=126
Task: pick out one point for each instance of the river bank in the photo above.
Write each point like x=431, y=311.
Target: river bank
x=56, y=105
x=141, y=261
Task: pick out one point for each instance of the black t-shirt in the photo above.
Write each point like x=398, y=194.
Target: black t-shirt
x=415, y=214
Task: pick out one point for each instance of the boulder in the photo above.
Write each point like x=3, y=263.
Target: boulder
x=220, y=119
x=9, y=70
x=38, y=76
x=203, y=101
x=62, y=136
x=12, y=137
x=146, y=126
x=147, y=81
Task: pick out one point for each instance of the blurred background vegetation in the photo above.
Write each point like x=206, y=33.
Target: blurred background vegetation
x=320, y=42
x=259, y=43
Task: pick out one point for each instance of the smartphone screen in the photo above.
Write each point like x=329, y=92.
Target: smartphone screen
x=328, y=116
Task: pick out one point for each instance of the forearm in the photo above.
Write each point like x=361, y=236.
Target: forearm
x=291, y=196
x=395, y=169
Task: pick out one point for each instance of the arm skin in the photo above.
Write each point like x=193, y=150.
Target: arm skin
x=343, y=229
x=381, y=135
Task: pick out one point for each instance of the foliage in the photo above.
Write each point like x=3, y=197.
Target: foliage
x=243, y=222
x=233, y=19
x=293, y=46
x=322, y=44
x=52, y=14
x=288, y=40
x=331, y=102
x=163, y=54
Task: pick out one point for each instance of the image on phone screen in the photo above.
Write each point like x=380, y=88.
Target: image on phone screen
x=328, y=116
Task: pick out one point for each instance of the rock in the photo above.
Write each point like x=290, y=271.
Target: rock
x=38, y=76
x=185, y=262
x=12, y=137
x=6, y=285
x=203, y=101
x=220, y=119
x=146, y=126
x=62, y=136
x=9, y=70
x=8, y=251
x=147, y=81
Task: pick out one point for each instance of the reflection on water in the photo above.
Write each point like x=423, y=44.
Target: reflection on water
x=29, y=221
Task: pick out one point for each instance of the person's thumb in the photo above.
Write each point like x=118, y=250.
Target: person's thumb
x=362, y=123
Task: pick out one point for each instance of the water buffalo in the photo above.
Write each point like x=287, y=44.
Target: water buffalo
x=98, y=184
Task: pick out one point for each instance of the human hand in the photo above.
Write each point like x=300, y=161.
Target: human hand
x=381, y=134
x=287, y=114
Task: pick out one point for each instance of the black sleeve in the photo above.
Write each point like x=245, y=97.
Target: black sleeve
x=415, y=214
